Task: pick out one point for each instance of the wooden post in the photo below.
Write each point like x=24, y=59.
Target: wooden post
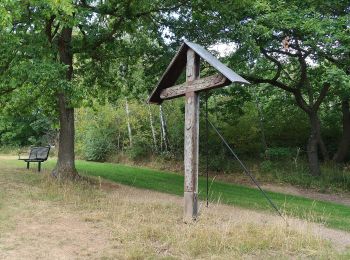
x=191, y=140
x=166, y=90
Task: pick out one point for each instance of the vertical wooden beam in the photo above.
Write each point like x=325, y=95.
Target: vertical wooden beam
x=191, y=140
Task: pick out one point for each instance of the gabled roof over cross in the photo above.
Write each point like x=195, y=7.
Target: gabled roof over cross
x=165, y=88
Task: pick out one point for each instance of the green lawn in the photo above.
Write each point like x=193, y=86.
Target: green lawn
x=333, y=215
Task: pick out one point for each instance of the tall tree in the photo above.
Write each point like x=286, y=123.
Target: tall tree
x=281, y=43
x=80, y=37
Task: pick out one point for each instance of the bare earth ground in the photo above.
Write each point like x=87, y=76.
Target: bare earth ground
x=42, y=219
x=341, y=198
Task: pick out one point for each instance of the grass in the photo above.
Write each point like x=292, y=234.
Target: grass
x=331, y=214
x=49, y=219
x=333, y=178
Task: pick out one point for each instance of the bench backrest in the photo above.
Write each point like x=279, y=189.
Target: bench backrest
x=39, y=153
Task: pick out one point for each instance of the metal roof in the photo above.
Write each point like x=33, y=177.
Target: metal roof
x=178, y=64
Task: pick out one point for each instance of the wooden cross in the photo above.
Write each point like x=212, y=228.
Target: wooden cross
x=188, y=57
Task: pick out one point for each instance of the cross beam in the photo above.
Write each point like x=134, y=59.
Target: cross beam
x=197, y=85
x=189, y=55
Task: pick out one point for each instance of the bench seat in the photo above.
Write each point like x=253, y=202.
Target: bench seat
x=36, y=154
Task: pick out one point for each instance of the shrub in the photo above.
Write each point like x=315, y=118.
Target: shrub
x=141, y=148
x=99, y=143
x=280, y=153
x=138, y=151
x=267, y=166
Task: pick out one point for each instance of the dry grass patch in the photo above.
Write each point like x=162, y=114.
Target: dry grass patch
x=83, y=220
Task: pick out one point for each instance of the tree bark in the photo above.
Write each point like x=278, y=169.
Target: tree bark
x=152, y=128
x=344, y=144
x=312, y=146
x=128, y=121
x=322, y=145
x=65, y=167
x=164, y=129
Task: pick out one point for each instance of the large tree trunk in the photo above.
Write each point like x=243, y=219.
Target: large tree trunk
x=323, y=148
x=65, y=167
x=321, y=144
x=344, y=144
x=312, y=146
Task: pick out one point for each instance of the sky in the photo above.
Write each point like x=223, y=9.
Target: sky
x=223, y=49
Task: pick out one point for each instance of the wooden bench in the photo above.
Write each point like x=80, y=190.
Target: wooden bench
x=36, y=154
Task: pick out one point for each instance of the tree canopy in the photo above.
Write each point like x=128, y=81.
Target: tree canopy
x=56, y=56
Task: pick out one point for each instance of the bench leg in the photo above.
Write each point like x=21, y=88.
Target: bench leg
x=27, y=165
x=39, y=166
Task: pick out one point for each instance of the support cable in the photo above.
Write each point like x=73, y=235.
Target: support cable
x=207, y=145
x=246, y=171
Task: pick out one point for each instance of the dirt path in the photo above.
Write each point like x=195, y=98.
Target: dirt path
x=40, y=219
x=47, y=230
x=53, y=233
x=341, y=198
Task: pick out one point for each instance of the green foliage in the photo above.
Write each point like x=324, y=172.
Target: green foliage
x=280, y=153
x=103, y=131
x=99, y=143
x=245, y=134
x=97, y=132
x=139, y=151
x=19, y=129
x=298, y=47
x=266, y=166
x=120, y=49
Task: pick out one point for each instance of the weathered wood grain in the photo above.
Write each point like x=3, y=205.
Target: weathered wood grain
x=191, y=140
x=198, y=85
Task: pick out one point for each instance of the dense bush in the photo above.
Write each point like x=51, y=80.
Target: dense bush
x=281, y=153
x=96, y=133
x=24, y=129
x=140, y=150
x=99, y=143
x=103, y=130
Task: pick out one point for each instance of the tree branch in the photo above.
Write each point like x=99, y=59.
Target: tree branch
x=322, y=96
x=164, y=9
x=296, y=92
x=303, y=70
x=296, y=46
x=274, y=60
x=113, y=11
x=48, y=28
x=8, y=64
x=6, y=91
x=273, y=82
x=301, y=102
x=283, y=52
x=108, y=36
x=55, y=31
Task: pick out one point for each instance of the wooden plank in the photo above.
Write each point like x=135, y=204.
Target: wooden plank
x=198, y=85
x=191, y=141
x=172, y=73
